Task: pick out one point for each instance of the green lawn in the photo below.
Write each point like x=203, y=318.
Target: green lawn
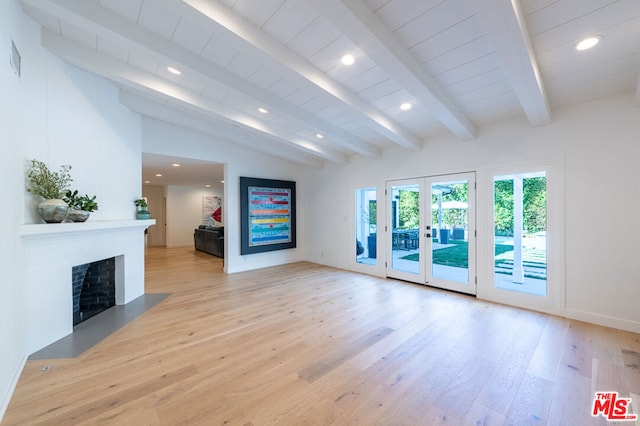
x=504, y=253
x=456, y=255
x=451, y=256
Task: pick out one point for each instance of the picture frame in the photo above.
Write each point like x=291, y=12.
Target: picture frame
x=267, y=215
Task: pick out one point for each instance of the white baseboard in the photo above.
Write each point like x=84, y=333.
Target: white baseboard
x=6, y=398
x=604, y=320
x=257, y=264
x=576, y=314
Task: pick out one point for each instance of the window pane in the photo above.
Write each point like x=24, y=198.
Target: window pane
x=366, y=225
x=520, y=233
x=405, y=213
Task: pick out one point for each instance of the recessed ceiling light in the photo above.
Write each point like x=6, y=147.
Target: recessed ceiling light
x=348, y=59
x=406, y=106
x=263, y=110
x=158, y=174
x=208, y=186
x=221, y=181
x=175, y=165
x=588, y=43
x=147, y=181
x=173, y=70
x=319, y=135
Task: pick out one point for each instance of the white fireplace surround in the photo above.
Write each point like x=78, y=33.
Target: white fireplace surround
x=50, y=253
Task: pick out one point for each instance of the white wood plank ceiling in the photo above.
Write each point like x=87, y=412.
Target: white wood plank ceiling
x=460, y=64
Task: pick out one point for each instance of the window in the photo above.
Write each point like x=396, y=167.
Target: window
x=520, y=233
x=366, y=225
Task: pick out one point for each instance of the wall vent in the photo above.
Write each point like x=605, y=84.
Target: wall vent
x=16, y=59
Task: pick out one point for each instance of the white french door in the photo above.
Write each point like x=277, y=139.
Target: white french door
x=431, y=231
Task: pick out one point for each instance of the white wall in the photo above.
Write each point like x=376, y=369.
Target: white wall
x=155, y=196
x=166, y=139
x=596, y=144
x=184, y=212
x=11, y=169
x=60, y=115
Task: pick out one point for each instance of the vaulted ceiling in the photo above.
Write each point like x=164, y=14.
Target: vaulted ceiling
x=267, y=74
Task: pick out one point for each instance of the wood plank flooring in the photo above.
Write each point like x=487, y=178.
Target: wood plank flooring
x=308, y=344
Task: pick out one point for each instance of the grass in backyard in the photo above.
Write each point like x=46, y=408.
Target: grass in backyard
x=504, y=254
x=457, y=255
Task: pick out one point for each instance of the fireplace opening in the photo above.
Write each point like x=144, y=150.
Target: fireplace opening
x=94, y=288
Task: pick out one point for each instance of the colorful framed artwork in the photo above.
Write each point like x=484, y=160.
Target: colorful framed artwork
x=268, y=215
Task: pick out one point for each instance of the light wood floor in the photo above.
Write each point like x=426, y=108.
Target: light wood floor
x=308, y=344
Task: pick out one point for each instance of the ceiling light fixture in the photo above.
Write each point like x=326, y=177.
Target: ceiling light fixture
x=588, y=43
x=173, y=70
x=348, y=59
x=147, y=181
x=263, y=110
x=175, y=165
x=406, y=106
x=319, y=135
x=158, y=174
x=221, y=181
x=208, y=186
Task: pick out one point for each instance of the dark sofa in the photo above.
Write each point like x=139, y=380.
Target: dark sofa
x=209, y=239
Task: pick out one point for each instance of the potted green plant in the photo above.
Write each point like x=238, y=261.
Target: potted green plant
x=80, y=207
x=143, y=213
x=50, y=186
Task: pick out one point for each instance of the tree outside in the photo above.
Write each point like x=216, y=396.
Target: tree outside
x=456, y=217
x=373, y=215
x=534, y=206
x=409, y=209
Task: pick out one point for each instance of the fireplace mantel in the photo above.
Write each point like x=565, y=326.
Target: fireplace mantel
x=50, y=253
x=48, y=230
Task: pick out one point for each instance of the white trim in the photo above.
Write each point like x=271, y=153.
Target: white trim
x=259, y=264
x=6, y=398
x=45, y=230
x=603, y=320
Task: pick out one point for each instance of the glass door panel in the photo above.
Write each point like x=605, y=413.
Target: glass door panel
x=452, y=242
x=405, y=254
x=450, y=250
